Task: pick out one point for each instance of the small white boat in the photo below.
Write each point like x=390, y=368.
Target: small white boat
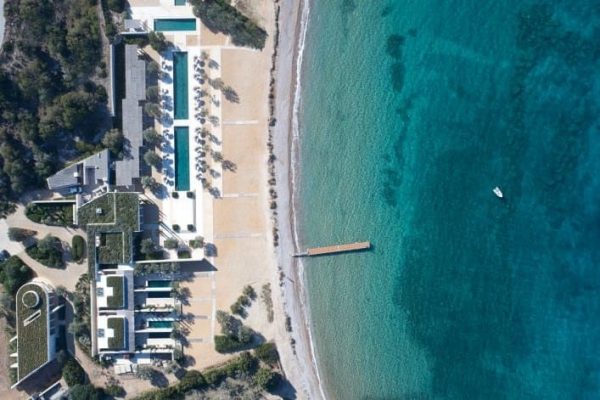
x=498, y=192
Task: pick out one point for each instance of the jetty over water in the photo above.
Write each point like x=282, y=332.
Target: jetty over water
x=338, y=248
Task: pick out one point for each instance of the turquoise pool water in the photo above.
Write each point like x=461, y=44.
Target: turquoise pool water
x=159, y=295
x=155, y=284
x=175, y=24
x=159, y=335
x=160, y=324
x=180, y=85
x=181, y=3
x=182, y=158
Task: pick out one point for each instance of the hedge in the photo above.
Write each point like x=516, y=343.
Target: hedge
x=78, y=247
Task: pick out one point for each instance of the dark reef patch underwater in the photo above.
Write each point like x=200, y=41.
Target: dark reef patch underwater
x=412, y=112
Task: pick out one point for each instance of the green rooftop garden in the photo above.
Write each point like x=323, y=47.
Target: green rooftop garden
x=98, y=211
x=117, y=342
x=111, y=248
x=120, y=214
x=117, y=283
x=33, y=339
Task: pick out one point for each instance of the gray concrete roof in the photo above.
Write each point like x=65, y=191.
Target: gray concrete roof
x=128, y=169
x=93, y=170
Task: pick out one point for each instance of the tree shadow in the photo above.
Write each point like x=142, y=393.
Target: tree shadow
x=284, y=389
x=159, y=379
x=230, y=94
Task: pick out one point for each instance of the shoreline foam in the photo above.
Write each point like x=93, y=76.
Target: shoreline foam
x=299, y=361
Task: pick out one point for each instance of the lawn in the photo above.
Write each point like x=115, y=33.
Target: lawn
x=32, y=341
x=117, y=299
x=117, y=324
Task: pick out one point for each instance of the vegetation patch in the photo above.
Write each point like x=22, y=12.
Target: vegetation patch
x=110, y=250
x=14, y=274
x=98, y=211
x=78, y=248
x=117, y=342
x=117, y=283
x=32, y=341
x=235, y=336
x=50, y=104
x=80, y=326
x=72, y=373
x=220, y=16
x=50, y=214
x=48, y=251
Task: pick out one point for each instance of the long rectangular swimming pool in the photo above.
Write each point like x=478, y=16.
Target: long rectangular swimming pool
x=159, y=283
x=182, y=158
x=175, y=24
x=180, y=84
x=160, y=324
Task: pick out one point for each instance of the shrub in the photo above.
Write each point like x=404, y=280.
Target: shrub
x=184, y=254
x=145, y=372
x=116, y=5
x=78, y=247
x=114, y=390
x=197, y=242
x=14, y=274
x=20, y=234
x=227, y=344
x=191, y=380
x=72, y=373
x=267, y=353
x=84, y=392
x=171, y=243
x=266, y=379
x=48, y=251
x=157, y=41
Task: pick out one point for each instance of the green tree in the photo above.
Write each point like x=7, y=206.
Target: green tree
x=147, y=246
x=171, y=243
x=73, y=374
x=153, y=110
x=84, y=392
x=152, y=68
x=266, y=379
x=149, y=183
x=158, y=41
x=14, y=274
x=153, y=94
x=152, y=137
x=114, y=141
x=117, y=6
x=145, y=372
x=267, y=353
x=152, y=159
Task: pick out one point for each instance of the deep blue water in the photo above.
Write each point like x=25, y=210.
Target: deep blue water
x=412, y=112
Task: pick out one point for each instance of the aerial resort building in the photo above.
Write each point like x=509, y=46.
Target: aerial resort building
x=135, y=304
x=132, y=316
x=89, y=174
x=37, y=314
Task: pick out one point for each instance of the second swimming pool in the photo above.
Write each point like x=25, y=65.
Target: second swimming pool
x=182, y=158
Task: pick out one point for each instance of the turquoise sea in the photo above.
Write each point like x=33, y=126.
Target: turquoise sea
x=412, y=112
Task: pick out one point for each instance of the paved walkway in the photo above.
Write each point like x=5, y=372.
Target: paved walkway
x=66, y=277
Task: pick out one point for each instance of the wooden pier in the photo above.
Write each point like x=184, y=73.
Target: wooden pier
x=338, y=248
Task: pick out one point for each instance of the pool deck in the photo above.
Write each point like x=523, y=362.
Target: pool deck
x=238, y=223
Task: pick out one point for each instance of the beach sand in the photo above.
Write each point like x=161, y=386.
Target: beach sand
x=298, y=361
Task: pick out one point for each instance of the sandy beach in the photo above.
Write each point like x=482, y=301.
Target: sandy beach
x=298, y=361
